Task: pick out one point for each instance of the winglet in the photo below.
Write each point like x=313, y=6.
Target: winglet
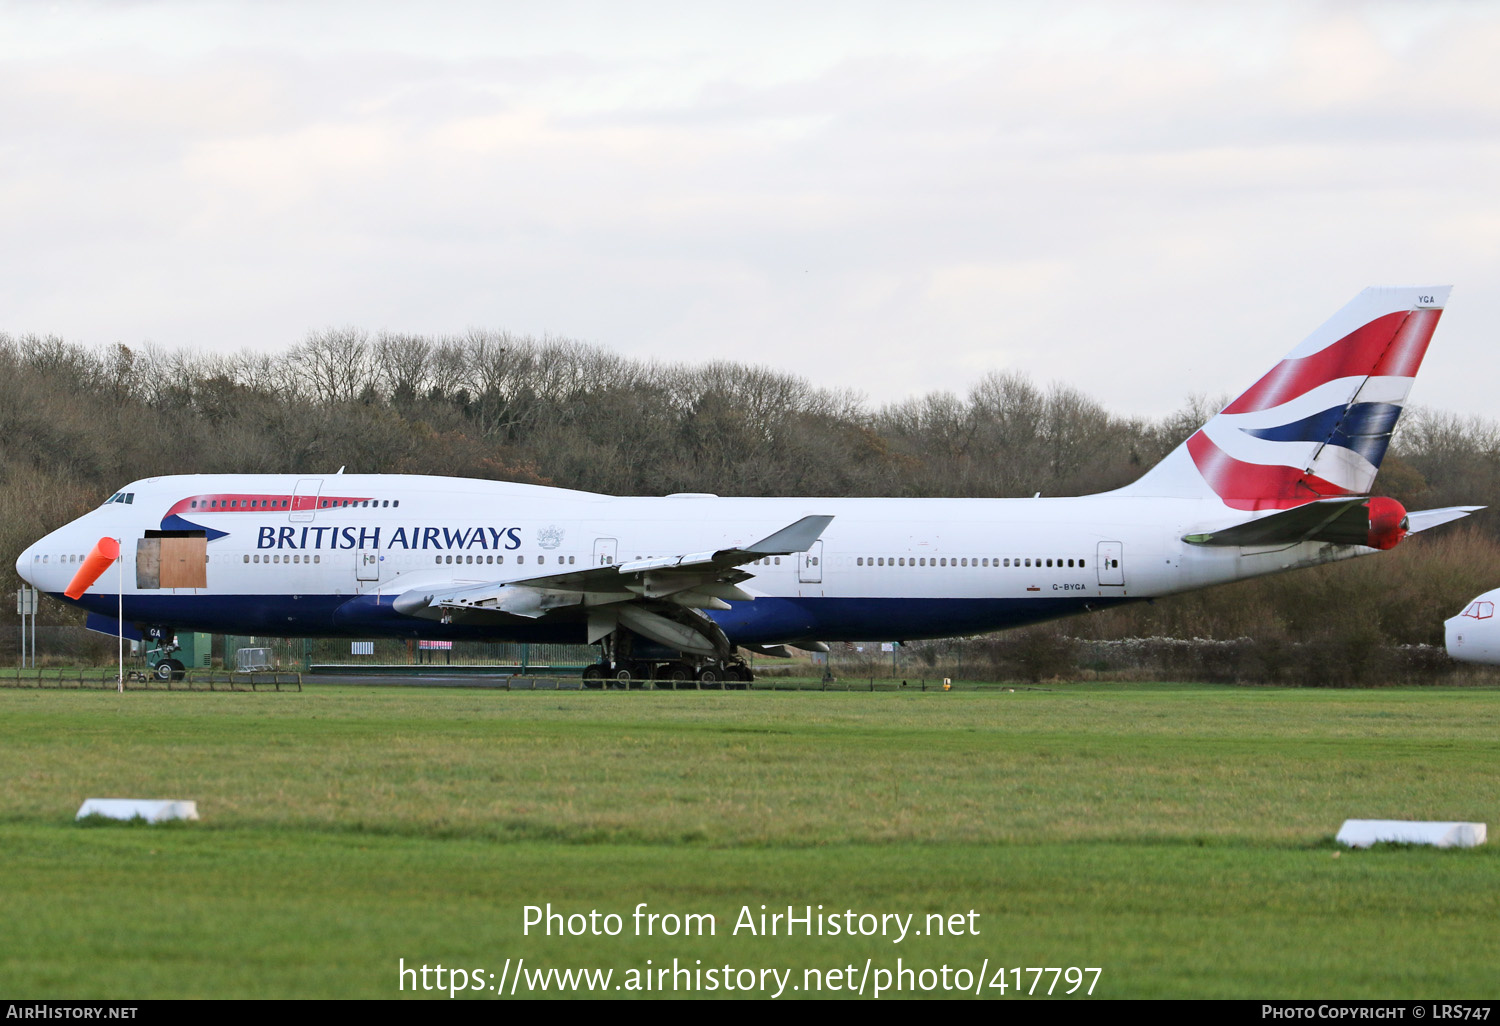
x=798, y=537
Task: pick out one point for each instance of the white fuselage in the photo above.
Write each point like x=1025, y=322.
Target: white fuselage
x=307, y=556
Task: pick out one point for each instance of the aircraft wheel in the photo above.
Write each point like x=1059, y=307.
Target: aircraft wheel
x=170, y=669
x=711, y=677
x=593, y=676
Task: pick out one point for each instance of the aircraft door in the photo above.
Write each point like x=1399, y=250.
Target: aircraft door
x=810, y=564
x=1111, y=564
x=604, y=551
x=367, y=565
x=305, y=499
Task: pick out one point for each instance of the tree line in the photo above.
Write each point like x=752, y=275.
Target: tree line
x=77, y=422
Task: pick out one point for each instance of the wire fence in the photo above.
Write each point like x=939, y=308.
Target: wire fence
x=85, y=679
x=1027, y=656
x=391, y=654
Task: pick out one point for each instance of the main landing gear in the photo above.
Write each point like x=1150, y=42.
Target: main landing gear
x=731, y=674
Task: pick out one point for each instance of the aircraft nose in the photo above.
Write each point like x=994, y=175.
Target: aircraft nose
x=23, y=565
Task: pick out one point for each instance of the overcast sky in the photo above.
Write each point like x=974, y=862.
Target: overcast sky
x=1144, y=200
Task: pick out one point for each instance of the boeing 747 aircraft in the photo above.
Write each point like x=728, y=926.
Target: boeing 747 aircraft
x=673, y=587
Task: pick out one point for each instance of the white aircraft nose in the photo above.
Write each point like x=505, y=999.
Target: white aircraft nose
x=1472, y=640
x=1453, y=636
x=23, y=565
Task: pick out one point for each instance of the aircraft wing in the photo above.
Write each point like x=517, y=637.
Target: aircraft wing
x=661, y=598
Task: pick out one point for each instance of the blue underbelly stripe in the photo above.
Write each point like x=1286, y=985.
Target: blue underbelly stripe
x=765, y=621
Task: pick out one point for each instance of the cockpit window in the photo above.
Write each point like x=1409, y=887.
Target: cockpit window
x=125, y=497
x=1480, y=610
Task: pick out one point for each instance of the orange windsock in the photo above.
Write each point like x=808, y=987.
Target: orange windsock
x=98, y=561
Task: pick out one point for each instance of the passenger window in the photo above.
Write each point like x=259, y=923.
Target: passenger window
x=395, y=502
x=499, y=559
x=778, y=560
x=317, y=559
x=571, y=560
x=541, y=559
x=247, y=557
x=520, y=559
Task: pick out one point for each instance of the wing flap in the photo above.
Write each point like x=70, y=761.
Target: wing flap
x=658, y=597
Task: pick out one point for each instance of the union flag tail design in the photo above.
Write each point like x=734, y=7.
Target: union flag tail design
x=1317, y=425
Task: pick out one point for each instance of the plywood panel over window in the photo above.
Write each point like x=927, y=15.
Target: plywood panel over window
x=184, y=562
x=148, y=563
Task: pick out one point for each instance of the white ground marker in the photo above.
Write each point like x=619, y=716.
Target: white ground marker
x=1361, y=833
x=152, y=810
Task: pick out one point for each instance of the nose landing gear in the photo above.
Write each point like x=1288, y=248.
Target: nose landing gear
x=164, y=667
x=169, y=669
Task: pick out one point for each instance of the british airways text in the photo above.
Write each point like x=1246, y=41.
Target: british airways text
x=314, y=538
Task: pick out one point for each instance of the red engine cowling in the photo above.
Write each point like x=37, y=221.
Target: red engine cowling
x=1388, y=523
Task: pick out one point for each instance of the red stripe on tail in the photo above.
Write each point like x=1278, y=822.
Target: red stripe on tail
x=1392, y=345
x=1252, y=486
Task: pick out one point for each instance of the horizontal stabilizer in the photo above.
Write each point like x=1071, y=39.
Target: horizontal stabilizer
x=1422, y=519
x=1345, y=521
x=1336, y=521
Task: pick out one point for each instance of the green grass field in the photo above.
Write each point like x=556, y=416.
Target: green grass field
x=1178, y=837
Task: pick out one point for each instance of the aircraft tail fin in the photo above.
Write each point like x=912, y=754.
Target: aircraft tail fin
x=1316, y=425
